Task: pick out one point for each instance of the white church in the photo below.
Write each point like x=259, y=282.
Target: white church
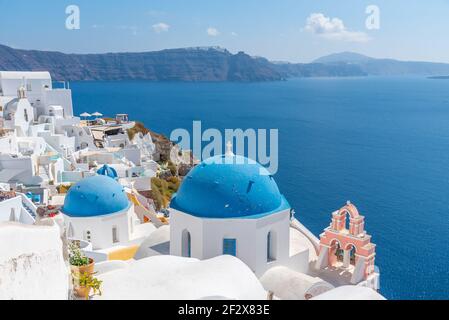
x=226, y=207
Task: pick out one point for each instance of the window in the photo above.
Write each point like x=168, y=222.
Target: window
x=186, y=244
x=230, y=247
x=115, y=238
x=271, y=247
x=25, y=114
x=87, y=236
x=12, y=215
x=131, y=225
x=70, y=232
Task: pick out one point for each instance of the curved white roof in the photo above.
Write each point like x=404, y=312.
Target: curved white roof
x=287, y=284
x=176, y=278
x=350, y=293
x=158, y=242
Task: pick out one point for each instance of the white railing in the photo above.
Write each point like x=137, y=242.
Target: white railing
x=29, y=208
x=309, y=235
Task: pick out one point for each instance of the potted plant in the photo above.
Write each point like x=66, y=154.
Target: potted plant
x=79, y=263
x=86, y=283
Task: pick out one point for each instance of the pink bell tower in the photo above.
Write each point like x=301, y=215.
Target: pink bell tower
x=346, y=245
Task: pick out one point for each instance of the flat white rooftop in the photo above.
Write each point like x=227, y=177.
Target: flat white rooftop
x=19, y=75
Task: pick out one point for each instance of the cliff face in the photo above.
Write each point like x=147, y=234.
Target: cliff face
x=193, y=64
x=305, y=70
x=382, y=67
x=202, y=64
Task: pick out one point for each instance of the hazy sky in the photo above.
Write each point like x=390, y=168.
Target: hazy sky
x=291, y=30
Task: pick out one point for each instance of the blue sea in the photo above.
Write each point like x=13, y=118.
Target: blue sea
x=382, y=143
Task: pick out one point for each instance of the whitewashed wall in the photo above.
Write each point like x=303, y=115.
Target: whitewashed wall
x=60, y=97
x=16, y=169
x=10, y=209
x=100, y=228
x=32, y=266
x=251, y=234
x=8, y=144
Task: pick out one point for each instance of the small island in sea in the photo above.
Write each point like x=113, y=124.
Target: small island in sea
x=439, y=77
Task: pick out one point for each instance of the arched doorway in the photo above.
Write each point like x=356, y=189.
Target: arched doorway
x=12, y=215
x=347, y=220
x=271, y=246
x=336, y=253
x=352, y=252
x=70, y=232
x=186, y=244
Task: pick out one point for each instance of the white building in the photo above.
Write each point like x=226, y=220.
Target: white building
x=16, y=207
x=39, y=91
x=42, y=143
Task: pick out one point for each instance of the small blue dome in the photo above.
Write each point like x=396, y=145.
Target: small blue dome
x=229, y=187
x=108, y=171
x=95, y=196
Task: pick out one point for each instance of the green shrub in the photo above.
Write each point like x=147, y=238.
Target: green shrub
x=163, y=190
x=76, y=257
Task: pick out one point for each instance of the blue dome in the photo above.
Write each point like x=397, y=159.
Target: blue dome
x=229, y=187
x=95, y=196
x=107, y=171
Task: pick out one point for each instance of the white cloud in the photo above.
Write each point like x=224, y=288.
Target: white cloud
x=234, y=34
x=212, y=32
x=333, y=28
x=160, y=27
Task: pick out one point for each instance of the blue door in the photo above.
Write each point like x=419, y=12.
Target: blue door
x=230, y=247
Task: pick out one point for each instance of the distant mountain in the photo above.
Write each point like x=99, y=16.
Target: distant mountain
x=384, y=67
x=308, y=70
x=343, y=57
x=190, y=64
x=203, y=64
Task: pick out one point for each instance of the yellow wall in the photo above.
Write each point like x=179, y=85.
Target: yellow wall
x=123, y=253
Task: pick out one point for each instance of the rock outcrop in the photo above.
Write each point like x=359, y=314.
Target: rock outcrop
x=190, y=64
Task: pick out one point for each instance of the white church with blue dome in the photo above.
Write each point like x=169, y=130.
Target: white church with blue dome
x=97, y=210
x=230, y=205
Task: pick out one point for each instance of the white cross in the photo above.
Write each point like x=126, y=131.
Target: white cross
x=229, y=151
